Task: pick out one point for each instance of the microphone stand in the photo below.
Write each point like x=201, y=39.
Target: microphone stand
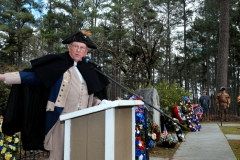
x=146, y=134
x=137, y=96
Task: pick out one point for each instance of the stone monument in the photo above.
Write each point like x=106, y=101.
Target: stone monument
x=150, y=95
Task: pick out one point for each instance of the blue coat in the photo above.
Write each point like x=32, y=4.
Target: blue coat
x=204, y=101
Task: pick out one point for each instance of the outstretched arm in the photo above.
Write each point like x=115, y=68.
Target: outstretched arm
x=27, y=78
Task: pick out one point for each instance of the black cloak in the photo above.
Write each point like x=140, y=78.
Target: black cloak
x=26, y=108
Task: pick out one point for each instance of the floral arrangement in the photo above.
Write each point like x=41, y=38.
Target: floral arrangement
x=187, y=108
x=153, y=134
x=140, y=150
x=192, y=115
x=174, y=124
x=198, y=111
x=195, y=126
x=178, y=130
x=139, y=134
x=167, y=139
x=177, y=111
x=141, y=127
x=9, y=145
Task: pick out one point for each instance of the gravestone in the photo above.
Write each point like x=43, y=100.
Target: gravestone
x=150, y=95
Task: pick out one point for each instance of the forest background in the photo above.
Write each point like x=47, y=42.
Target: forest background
x=188, y=44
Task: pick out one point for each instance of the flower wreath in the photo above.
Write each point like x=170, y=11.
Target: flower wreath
x=140, y=126
x=198, y=111
x=178, y=130
x=178, y=113
x=192, y=118
x=9, y=145
x=140, y=149
x=195, y=126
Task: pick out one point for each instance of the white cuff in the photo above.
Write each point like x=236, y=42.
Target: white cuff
x=12, y=78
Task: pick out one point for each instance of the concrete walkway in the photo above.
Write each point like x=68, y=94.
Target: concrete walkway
x=208, y=144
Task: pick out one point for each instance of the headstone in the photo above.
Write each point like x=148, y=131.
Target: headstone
x=150, y=95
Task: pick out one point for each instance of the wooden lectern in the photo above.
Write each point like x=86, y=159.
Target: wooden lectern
x=103, y=132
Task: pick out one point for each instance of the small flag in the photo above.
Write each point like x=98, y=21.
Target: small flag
x=165, y=131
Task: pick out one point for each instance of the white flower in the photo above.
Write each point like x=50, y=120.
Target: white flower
x=137, y=131
x=140, y=157
x=154, y=136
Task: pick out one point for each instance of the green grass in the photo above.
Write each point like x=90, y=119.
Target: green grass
x=230, y=129
x=234, y=144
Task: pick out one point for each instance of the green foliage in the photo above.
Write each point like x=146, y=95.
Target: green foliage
x=4, y=93
x=170, y=95
x=16, y=24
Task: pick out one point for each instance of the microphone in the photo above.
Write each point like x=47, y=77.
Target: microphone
x=87, y=60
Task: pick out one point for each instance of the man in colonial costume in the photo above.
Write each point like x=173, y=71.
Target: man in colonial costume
x=223, y=101
x=56, y=84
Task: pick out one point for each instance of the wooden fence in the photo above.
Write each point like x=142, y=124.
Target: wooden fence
x=32, y=155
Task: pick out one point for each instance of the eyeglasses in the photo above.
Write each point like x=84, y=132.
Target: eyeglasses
x=76, y=47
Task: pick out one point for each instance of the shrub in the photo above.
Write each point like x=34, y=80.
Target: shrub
x=170, y=95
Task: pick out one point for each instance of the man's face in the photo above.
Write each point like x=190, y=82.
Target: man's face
x=77, y=50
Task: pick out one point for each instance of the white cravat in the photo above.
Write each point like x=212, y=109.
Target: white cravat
x=79, y=74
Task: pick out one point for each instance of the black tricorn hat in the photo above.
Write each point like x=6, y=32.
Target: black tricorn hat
x=80, y=37
x=222, y=88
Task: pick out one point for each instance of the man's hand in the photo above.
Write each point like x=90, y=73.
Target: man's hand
x=2, y=77
x=104, y=101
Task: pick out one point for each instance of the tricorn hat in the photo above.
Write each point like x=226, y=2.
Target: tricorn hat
x=222, y=88
x=80, y=37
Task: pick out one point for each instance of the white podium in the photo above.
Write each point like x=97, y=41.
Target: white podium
x=103, y=132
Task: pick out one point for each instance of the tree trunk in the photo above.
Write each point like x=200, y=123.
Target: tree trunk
x=186, y=70
x=223, y=49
